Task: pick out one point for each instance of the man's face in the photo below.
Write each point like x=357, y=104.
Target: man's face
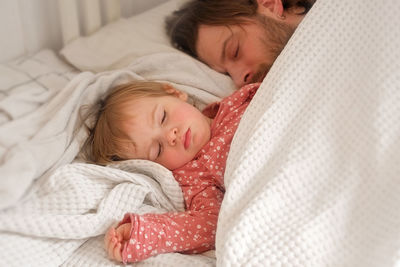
x=245, y=52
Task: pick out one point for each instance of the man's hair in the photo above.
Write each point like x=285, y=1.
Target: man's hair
x=182, y=26
x=107, y=141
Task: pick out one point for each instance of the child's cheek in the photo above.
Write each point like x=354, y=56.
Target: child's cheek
x=174, y=159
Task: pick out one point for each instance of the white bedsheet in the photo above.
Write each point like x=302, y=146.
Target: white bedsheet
x=28, y=82
x=313, y=175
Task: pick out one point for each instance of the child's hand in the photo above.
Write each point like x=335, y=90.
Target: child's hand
x=115, y=239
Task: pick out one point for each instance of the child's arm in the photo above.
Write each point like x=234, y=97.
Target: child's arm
x=192, y=231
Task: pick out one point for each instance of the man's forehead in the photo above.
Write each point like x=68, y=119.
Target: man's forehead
x=209, y=46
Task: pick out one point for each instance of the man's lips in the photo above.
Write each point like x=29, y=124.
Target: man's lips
x=187, y=138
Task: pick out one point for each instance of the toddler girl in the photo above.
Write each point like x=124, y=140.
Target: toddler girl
x=153, y=121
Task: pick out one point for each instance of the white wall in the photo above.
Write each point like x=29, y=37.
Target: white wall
x=27, y=26
x=132, y=7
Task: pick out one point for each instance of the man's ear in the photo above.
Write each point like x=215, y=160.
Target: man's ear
x=270, y=8
x=175, y=92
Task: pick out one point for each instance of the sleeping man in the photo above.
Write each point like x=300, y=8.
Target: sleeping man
x=240, y=38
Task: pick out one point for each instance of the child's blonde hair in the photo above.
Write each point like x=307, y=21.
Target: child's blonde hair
x=106, y=141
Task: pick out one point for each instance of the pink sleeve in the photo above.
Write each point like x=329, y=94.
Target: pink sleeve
x=192, y=231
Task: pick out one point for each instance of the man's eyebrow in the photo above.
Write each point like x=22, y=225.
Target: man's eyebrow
x=223, y=54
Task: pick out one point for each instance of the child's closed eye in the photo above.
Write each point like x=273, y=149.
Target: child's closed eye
x=163, y=117
x=159, y=150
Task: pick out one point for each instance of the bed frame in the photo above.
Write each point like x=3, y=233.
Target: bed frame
x=84, y=17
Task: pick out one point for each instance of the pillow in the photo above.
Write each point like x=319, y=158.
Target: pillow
x=117, y=44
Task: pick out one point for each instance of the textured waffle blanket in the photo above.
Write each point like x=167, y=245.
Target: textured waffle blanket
x=313, y=175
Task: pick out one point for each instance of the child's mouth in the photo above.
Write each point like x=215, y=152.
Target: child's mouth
x=188, y=136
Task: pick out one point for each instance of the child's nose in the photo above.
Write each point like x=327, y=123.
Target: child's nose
x=171, y=136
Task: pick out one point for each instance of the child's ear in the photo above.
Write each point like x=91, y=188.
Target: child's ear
x=270, y=8
x=172, y=91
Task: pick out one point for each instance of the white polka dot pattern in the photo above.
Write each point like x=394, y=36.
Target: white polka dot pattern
x=313, y=176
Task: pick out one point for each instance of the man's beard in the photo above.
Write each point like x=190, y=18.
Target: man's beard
x=277, y=34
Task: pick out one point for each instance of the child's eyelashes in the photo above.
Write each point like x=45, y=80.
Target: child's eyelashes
x=159, y=150
x=163, y=117
x=162, y=121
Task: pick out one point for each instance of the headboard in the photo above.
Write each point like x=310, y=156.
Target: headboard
x=93, y=14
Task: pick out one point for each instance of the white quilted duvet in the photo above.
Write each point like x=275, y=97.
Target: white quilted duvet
x=313, y=175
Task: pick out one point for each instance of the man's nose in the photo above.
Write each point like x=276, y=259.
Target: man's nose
x=239, y=74
x=171, y=136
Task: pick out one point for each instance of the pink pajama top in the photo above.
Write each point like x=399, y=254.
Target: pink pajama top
x=201, y=180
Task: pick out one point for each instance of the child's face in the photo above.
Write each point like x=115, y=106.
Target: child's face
x=166, y=130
